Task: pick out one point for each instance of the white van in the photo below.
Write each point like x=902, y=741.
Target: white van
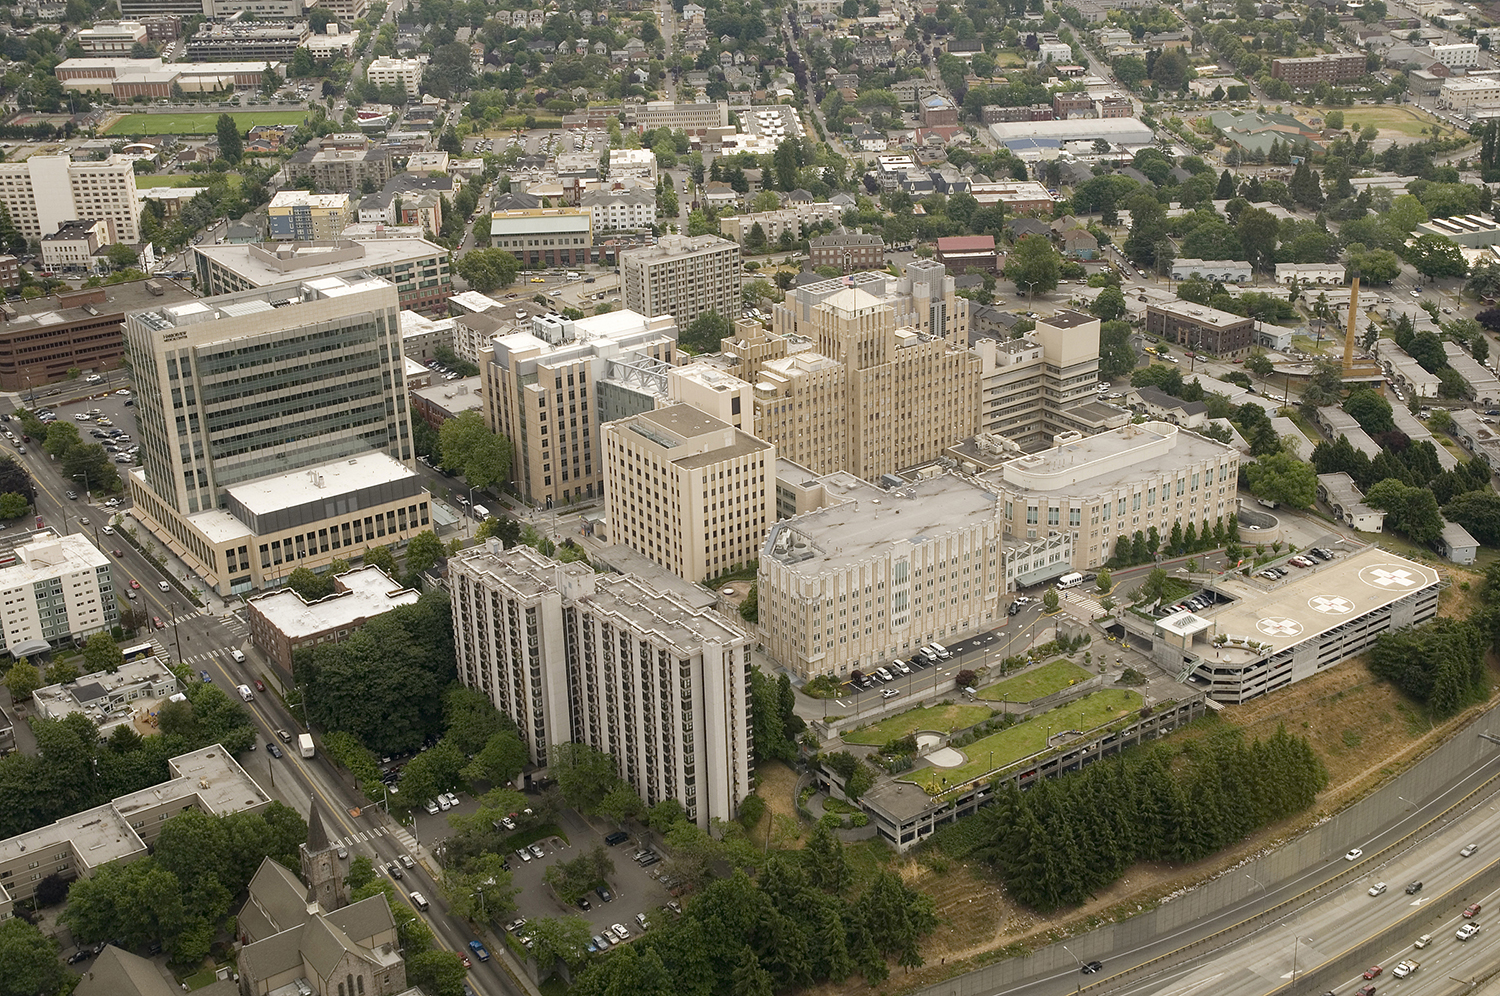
x=419, y=901
x=1072, y=580
x=942, y=651
x=480, y=512
x=239, y=658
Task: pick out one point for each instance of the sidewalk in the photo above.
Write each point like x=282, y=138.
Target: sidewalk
x=213, y=604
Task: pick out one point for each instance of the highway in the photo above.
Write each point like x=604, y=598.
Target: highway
x=202, y=639
x=1321, y=916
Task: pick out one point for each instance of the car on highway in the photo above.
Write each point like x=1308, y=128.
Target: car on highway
x=1471, y=911
x=1365, y=991
x=1089, y=968
x=479, y=950
x=1467, y=931
x=1423, y=941
x=1412, y=888
x=1373, y=971
x=272, y=749
x=1404, y=969
x=1354, y=854
x=1469, y=850
x=1377, y=888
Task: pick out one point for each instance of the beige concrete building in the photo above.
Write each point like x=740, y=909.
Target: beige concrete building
x=878, y=574
x=208, y=780
x=283, y=621
x=841, y=384
x=1111, y=485
x=688, y=491
x=131, y=694
x=44, y=192
x=274, y=428
x=715, y=392
x=683, y=277
x=1028, y=383
x=612, y=661
x=548, y=389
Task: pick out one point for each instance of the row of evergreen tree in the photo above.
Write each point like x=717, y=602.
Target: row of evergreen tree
x=1441, y=665
x=1142, y=547
x=1178, y=801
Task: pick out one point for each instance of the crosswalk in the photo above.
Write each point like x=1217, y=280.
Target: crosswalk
x=362, y=836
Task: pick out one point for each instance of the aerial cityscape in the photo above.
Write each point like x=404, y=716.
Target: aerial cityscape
x=672, y=498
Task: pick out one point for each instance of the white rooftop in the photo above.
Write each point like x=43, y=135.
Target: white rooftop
x=323, y=483
x=49, y=556
x=368, y=591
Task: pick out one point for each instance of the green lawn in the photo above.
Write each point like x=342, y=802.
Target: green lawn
x=1036, y=683
x=943, y=718
x=199, y=124
x=1387, y=118
x=1028, y=738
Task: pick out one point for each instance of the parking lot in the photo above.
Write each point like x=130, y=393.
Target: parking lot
x=633, y=888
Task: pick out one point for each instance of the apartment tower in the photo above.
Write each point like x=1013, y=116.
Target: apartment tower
x=683, y=277
x=614, y=662
x=43, y=192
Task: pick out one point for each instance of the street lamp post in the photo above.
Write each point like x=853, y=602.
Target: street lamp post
x=469, y=530
x=1296, y=941
x=176, y=630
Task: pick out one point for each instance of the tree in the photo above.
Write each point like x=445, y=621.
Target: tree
x=1284, y=479
x=30, y=961
x=101, y=653
x=1050, y=599
x=1435, y=256
x=1105, y=582
x=1109, y=306
x=1258, y=231
x=564, y=938
x=423, y=551
x=22, y=679
x=1116, y=355
x=231, y=146
x=1033, y=265
x=1411, y=510
x=469, y=447
x=1260, y=365
x=585, y=775
x=438, y=972
x=120, y=256
x=487, y=269
x=703, y=335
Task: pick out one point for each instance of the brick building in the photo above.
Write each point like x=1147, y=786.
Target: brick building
x=1197, y=326
x=1314, y=69
x=849, y=251
x=959, y=252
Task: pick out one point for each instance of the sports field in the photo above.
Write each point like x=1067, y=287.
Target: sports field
x=199, y=124
x=1399, y=119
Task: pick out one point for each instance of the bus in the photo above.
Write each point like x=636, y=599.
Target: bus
x=137, y=653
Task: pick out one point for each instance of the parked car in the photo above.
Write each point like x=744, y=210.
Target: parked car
x=603, y=893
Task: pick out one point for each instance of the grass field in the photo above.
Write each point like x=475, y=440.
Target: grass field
x=1036, y=683
x=1030, y=737
x=943, y=718
x=199, y=124
x=1387, y=118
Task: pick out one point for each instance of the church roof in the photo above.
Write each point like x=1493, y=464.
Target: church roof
x=317, y=837
x=278, y=901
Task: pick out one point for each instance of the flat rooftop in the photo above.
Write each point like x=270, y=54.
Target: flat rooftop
x=1201, y=313
x=276, y=263
x=49, y=557
x=1315, y=600
x=1106, y=460
x=325, y=482
x=368, y=592
x=265, y=301
x=211, y=776
x=870, y=520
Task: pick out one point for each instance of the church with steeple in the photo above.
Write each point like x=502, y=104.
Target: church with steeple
x=305, y=932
